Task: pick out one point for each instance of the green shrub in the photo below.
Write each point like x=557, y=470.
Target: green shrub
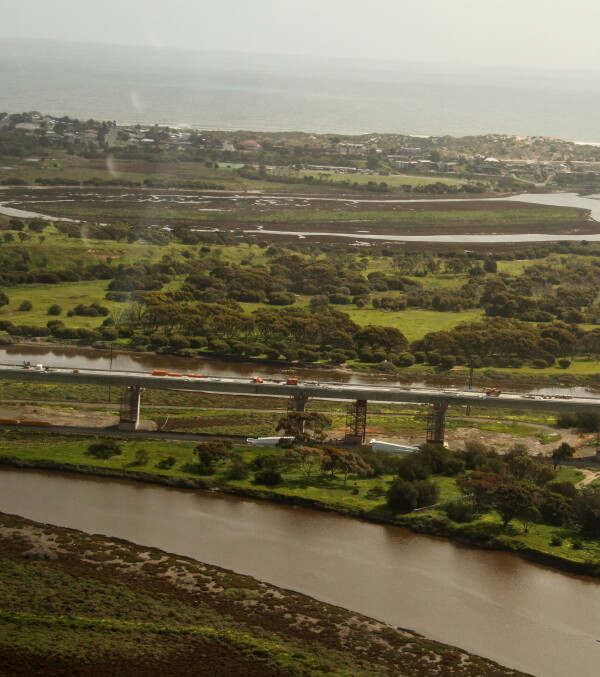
x=166, y=463
x=142, y=456
x=402, y=496
x=105, y=449
x=460, y=510
x=238, y=470
x=268, y=477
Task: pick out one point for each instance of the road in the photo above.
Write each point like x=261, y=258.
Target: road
x=304, y=389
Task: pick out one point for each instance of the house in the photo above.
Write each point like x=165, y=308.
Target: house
x=27, y=126
x=446, y=167
x=250, y=144
x=334, y=170
x=351, y=148
x=406, y=164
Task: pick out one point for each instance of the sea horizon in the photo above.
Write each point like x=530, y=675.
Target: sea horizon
x=234, y=91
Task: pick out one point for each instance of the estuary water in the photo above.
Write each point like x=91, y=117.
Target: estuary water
x=589, y=202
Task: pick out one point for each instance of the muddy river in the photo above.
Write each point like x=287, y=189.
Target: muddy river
x=493, y=604
x=82, y=358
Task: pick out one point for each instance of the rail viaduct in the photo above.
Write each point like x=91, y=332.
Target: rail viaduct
x=438, y=399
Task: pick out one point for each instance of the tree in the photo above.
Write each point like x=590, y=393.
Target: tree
x=528, y=516
x=105, y=449
x=562, y=453
x=490, y=266
x=306, y=459
x=4, y=300
x=480, y=487
x=447, y=361
x=212, y=454
x=525, y=468
x=513, y=500
x=305, y=426
x=402, y=496
x=344, y=461
x=54, y=309
x=555, y=508
x=26, y=305
x=587, y=505
x=413, y=467
x=428, y=493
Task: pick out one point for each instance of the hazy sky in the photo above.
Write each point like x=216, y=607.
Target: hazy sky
x=533, y=33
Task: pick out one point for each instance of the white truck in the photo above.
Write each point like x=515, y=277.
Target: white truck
x=391, y=448
x=267, y=441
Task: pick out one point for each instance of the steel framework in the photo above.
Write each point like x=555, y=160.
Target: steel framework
x=436, y=422
x=356, y=422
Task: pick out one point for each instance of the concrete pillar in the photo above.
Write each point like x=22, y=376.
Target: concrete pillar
x=130, y=408
x=298, y=402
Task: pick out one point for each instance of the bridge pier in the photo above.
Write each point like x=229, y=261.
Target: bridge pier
x=356, y=423
x=436, y=422
x=297, y=403
x=129, y=414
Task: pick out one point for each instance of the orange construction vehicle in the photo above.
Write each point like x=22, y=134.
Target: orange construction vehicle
x=493, y=392
x=291, y=381
x=257, y=379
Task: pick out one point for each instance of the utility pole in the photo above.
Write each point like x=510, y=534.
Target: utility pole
x=110, y=367
x=470, y=383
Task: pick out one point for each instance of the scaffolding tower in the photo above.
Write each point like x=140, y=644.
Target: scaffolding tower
x=436, y=422
x=356, y=423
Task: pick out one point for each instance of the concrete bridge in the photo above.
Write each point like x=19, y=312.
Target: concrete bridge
x=438, y=399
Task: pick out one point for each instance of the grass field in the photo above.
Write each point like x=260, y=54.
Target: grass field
x=393, y=181
x=400, y=220
x=63, y=165
x=67, y=295
x=414, y=324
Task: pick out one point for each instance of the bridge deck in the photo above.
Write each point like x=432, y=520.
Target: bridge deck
x=311, y=389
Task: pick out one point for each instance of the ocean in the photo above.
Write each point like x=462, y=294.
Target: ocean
x=233, y=91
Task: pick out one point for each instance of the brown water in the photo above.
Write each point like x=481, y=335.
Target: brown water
x=493, y=604
x=101, y=359
x=89, y=358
